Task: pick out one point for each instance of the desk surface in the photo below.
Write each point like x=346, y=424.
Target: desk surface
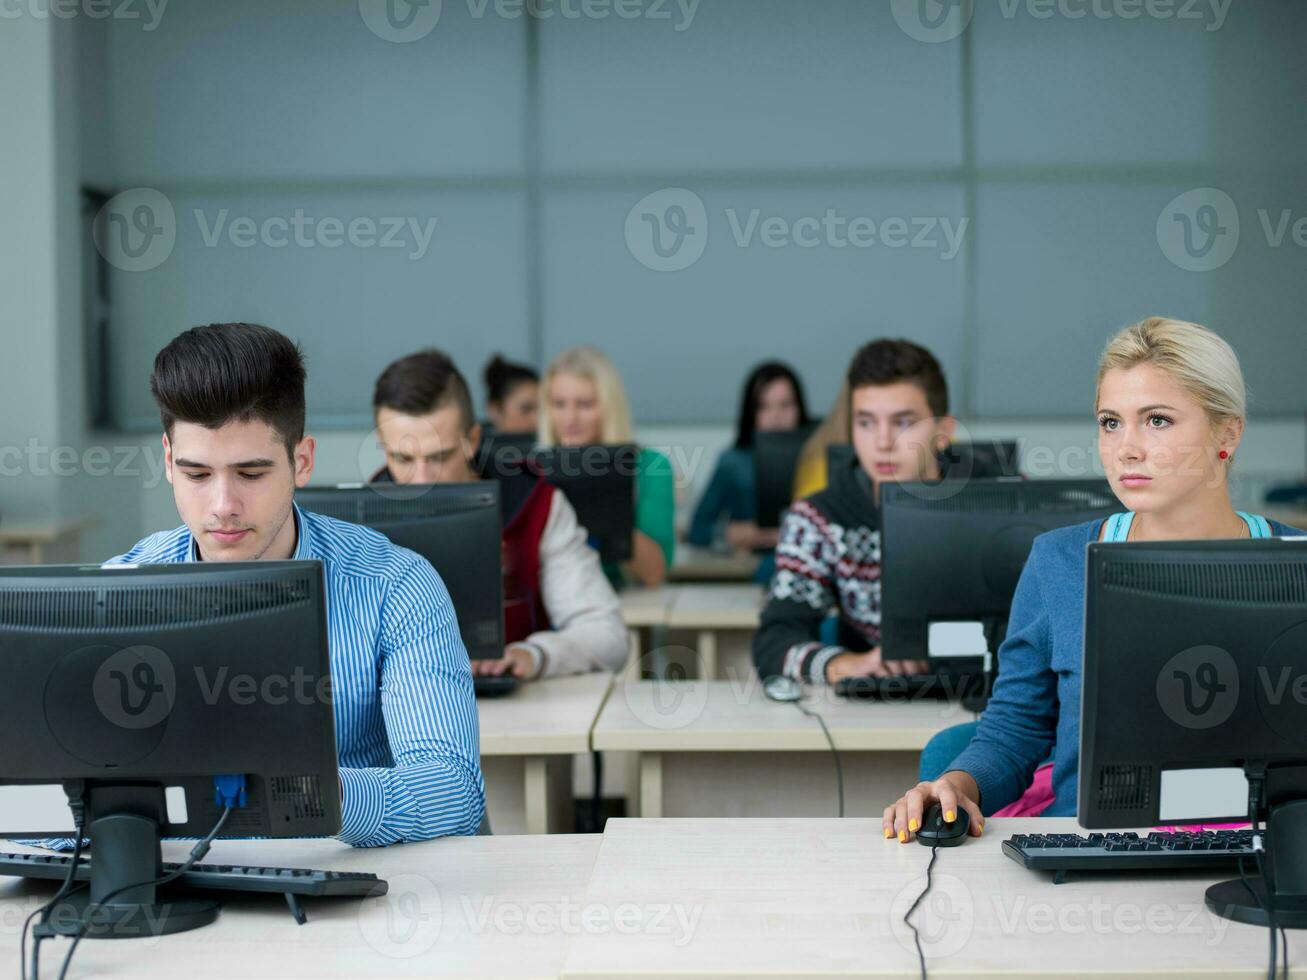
x=460, y=907
x=735, y=716
x=822, y=898
x=695, y=564
x=42, y=532
x=546, y=717
x=717, y=606
x=646, y=607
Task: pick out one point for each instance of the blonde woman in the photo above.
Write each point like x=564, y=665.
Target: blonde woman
x=1170, y=409
x=810, y=476
x=583, y=402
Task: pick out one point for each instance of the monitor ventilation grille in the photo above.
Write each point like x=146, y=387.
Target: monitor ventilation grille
x=1255, y=583
x=73, y=609
x=301, y=794
x=1124, y=787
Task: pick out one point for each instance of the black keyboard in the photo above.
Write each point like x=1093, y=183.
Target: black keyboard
x=225, y=877
x=911, y=687
x=494, y=687
x=1157, y=851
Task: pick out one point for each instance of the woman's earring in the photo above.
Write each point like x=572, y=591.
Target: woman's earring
x=1224, y=455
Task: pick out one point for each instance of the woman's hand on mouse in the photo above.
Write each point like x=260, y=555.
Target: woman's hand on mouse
x=951, y=791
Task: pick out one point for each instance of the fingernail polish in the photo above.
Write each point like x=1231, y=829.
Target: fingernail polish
x=951, y=816
x=903, y=836
x=888, y=833
x=912, y=826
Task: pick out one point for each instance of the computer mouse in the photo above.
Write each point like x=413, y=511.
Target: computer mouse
x=781, y=688
x=935, y=832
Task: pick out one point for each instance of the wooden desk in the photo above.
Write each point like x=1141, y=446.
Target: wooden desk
x=721, y=748
x=695, y=564
x=42, y=542
x=528, y=740
x=822, y=898
x=465, y=907
x=711, y=610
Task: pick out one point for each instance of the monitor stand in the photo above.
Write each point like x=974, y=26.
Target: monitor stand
x=995, y=631
x=1285, y=837
x=124, y=832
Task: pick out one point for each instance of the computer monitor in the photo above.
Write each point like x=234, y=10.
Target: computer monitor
x=775, y=460
x=952, y=551
x=140, y=685
x=1195, y=683
x=502, y=454
x=454, y=526
x=599, y=482
x=983, y=458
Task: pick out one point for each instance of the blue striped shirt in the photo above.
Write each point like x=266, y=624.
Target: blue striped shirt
x=406, y=718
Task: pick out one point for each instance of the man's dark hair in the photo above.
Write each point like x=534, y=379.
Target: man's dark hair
x=887, y=362
x=421, y=383
x=231, y=372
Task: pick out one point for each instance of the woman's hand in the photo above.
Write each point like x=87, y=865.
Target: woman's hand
x=951, y=791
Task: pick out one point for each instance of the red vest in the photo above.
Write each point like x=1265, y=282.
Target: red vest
x=524, y=609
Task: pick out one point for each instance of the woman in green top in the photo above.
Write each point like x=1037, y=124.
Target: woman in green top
x=583, y=402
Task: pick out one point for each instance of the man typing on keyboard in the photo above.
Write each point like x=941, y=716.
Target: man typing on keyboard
x=231, y=399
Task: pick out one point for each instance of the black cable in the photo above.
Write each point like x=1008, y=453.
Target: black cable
x=77, y=803
x=907, y=917
x=839, y=769
x=197, y=852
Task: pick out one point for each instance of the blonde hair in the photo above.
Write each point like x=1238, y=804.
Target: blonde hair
x=810, y=470
x=1193, y=356
x=591, y=364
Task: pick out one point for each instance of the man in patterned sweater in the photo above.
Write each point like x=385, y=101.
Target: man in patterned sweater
x=829, y=552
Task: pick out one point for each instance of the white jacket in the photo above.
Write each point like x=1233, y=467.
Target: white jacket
x=588, y=633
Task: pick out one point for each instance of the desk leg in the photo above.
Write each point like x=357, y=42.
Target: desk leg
x=651, y=784
x=548, y=794
x=708, y=654
x=633, y=659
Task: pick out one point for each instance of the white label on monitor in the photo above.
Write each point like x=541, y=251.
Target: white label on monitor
x=175, y=798
x=1203, y=794
x=24, y=809
x=956, y=640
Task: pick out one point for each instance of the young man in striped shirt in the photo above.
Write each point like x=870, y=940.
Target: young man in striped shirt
x=231, y=398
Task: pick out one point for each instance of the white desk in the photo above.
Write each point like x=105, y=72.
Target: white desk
x=721, y=748
x=710, y=611
x=42, y=542
x=823, y=898
x=695, y=564
x=466, y=907
x=528, y=740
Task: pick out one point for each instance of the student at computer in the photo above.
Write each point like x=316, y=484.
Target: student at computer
x=231, y=399
x=772, y=401
x=584, y=403
x=512, y=397
x=829, y=550
x=560, y=614
x=1170, y=408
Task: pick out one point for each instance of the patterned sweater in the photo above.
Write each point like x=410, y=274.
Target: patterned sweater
x=828, y=558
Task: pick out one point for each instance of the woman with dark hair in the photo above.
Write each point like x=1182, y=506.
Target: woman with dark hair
x=512, y=397
x=772, y=401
